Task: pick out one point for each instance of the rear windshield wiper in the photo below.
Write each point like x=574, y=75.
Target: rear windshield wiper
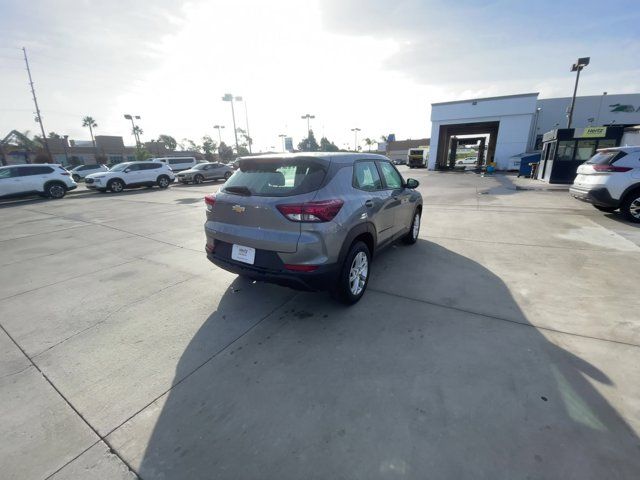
x=240, y=190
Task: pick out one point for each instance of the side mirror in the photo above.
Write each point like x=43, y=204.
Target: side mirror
x=412, y=183
x=127, y=170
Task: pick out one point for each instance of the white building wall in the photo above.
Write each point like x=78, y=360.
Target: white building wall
x=592, y=110
x=515, y=114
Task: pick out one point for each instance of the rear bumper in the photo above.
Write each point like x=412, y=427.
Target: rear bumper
x=322, y=279
x=597, y=196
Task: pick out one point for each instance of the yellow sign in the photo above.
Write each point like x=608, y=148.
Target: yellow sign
x=592, y=132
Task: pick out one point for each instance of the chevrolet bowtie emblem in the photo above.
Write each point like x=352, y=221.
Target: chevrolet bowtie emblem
x=238, y=208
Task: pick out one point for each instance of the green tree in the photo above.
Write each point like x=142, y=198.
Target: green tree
x=193, y=146
x=54, y=135
x=90, y=123
x=137, y=132
x=225, y=152
x=309, y=144
x=246, y=140
x=327, y=146
x=168, y=141
x=368, y=142
x=208, y=147
x=142, y=154
x=384, y=138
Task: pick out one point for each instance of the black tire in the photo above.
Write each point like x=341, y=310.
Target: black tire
x=630, y=207
x=606, y=209
x=55, y=190
x=163, y=181
x=116, y=185
x=198, y=179
x=343, y=291
x=412, y=236
x=227, y=175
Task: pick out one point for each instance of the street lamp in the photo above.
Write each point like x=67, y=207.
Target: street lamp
x=355, y=141
x=133, y=126
x=219, y=127
x=308, y=117
x=228, y=97
x=283, y=136
x=576, y=67
x=66, y=153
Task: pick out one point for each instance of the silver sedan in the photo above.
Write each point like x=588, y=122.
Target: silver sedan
x=205, y=171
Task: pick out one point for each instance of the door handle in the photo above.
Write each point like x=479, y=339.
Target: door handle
x=368, y=203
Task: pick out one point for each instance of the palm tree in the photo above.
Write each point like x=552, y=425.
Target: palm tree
x=137, y=132
x=368, y=142
x=91, y=123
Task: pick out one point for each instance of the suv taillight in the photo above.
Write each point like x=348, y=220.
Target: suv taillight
x=210, y=201
x=323, y=211
x=610, y=168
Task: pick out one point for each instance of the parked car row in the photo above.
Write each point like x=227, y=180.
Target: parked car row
x=54, y=181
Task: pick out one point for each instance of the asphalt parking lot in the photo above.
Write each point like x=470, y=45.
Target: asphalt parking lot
x=505, y=344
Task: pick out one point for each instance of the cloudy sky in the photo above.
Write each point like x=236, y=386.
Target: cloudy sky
x=372, y=64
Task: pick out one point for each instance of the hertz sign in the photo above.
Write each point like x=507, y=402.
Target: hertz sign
x=591, y=132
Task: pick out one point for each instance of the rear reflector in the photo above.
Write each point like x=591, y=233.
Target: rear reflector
x=610, y=168
x=323, y=211
x=301, y=268
x=210, y=201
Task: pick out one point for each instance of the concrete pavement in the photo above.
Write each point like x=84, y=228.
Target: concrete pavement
x=504, y=344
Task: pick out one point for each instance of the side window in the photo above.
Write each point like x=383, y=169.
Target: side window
x=177, y=161
x=35, y=171
x=152, y=166
x=366, y=177
x=391, y=176
x=134, y=167
x=6, y=172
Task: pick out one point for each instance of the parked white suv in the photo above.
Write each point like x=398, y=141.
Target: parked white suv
x=82, y=171
x=47, y=180
x=177, y=164
x=610, y=180
x=131, y=174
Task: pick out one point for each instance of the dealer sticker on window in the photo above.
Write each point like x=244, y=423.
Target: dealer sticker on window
x=243, y=254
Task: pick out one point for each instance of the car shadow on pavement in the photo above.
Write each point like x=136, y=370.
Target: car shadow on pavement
x=391, y=387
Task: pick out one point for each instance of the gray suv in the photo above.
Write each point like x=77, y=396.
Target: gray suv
x=311, y=221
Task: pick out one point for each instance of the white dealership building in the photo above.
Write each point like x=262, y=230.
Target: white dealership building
x=515, y=124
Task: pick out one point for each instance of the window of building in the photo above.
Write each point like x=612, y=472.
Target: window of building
x=585, y=150
x=565, y=150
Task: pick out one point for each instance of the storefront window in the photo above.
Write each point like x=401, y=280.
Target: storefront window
x=606, y=143
x=565, y=150
x=586, y=149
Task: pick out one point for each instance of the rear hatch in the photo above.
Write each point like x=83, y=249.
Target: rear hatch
x=595, y=170
x=245, y=210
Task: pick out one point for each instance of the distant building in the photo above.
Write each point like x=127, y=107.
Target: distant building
x=397, y=149
x=109, y=149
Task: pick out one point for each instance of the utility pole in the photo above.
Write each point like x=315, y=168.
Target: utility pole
x=35, y=101
x=219, y=127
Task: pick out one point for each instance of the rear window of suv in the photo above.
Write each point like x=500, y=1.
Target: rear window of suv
x=276, y=177
x=606, y=157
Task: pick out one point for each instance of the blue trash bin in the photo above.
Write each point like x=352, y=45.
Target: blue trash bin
x=525, y=160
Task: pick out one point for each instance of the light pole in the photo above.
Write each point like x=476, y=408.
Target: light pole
x=308, y=117
x=576, y=67
x=283, y=136
x=219, y=127
x=355, y=140
x=66, y=153
x=228, y=97
x=133, y=127
x=246, y=118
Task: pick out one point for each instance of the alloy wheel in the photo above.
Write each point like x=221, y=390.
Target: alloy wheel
x=358, y=273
